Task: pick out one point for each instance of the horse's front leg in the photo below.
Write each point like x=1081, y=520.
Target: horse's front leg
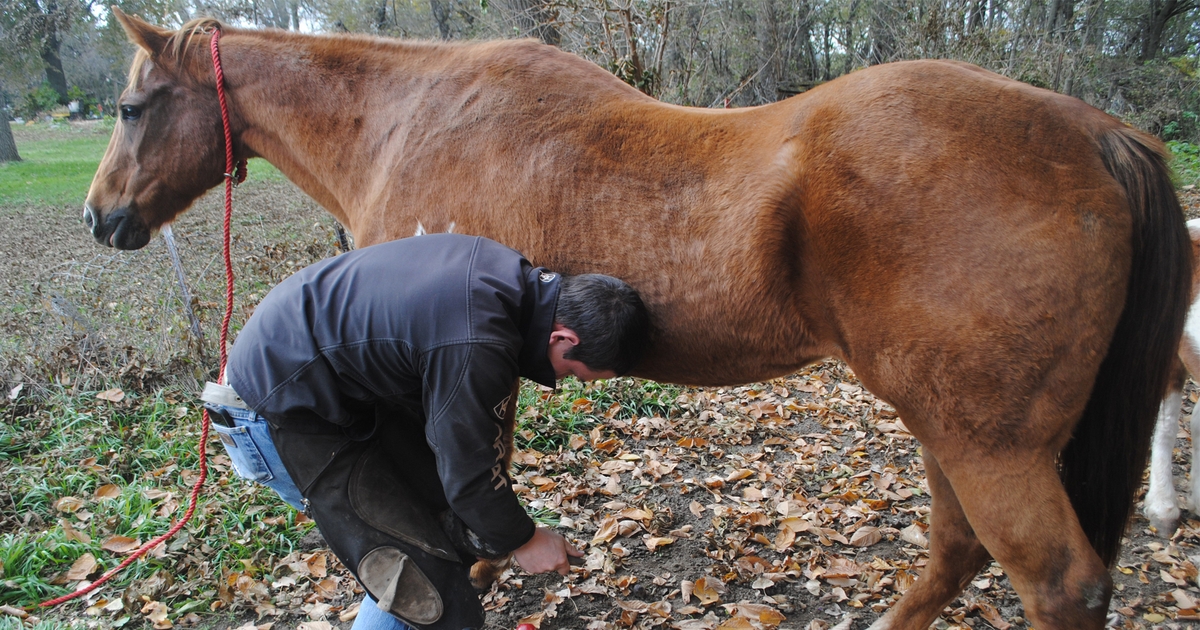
x=955, y=556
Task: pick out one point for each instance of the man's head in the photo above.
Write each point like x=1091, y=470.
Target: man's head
x=601, y=328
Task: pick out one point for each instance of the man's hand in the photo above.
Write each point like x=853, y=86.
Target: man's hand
x=546, y=551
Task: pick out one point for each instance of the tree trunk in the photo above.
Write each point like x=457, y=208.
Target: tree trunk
x=53, y=63
x=441, y=15
x=8, y=146
x=533, y=18
x=1158, y=14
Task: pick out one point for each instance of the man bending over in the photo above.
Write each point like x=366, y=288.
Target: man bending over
x=377, y=390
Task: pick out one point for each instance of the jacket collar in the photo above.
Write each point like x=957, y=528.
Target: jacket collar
x=537, y=321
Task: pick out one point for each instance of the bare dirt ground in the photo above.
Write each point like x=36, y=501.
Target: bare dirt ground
x=794, y=504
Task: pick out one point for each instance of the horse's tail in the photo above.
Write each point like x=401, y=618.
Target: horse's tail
x=1103, y=463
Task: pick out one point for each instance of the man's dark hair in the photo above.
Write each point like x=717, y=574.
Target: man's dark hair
x=610, y=319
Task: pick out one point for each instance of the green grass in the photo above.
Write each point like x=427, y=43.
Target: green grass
x=72, y=445
x=547, y=420
x=54, y=171
x=57, y=168
x=1186, y=162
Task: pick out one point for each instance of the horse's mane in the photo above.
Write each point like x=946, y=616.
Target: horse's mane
x=177, y=45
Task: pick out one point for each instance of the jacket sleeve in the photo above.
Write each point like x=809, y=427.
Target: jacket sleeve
x=466, y=390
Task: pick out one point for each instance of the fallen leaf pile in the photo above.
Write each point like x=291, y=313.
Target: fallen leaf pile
x=798, y=503
x=795, y=503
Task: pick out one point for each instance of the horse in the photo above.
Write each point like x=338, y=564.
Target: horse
x=1006, y=266
x=1160, y=507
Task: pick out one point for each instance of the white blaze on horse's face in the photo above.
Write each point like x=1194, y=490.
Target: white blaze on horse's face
x=166, y=149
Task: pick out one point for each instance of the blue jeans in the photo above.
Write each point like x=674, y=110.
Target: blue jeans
x=249, y=445
x=371, y=618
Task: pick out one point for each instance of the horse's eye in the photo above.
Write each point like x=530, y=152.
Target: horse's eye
x=130, y=112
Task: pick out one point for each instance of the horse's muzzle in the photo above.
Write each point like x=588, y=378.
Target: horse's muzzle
x=121, y=228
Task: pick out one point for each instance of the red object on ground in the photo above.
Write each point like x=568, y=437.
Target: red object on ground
x=526, y=626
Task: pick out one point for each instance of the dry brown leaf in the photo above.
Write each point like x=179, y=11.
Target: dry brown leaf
x=606, y=532
x=654, y=542
x=738, y=475
x=784, y=540
x=708, y=590
x=686, y=587
x=108, y=491
x=70, y=533
x=156, y=613
x=68, y=504
x=865, y=537
x=761, y=613
x=1184, y=599
x=317, y=564
x=991, y=615
x=121, y=544
x=636, y=514
x=915, y=535
x=13, y=612
x=326, y=588
x=115, y=395
x=83, y=566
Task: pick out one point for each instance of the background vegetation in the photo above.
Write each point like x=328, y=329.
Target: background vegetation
x=1136, y=58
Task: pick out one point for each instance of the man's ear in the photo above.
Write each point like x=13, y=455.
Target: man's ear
x=562, y=333
x=149, y=37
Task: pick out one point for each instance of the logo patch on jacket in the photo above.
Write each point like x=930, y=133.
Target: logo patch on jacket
x=501, y=407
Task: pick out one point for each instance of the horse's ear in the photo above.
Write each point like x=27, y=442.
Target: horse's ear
x=149, y=37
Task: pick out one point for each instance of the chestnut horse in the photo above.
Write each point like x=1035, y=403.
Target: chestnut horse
x=1007, y=266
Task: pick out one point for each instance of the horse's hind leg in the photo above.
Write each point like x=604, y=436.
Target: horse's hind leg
x=955, y=556
x=1020, y=512
x=1160, y=505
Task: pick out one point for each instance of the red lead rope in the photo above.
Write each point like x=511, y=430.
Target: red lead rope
x=230, y=176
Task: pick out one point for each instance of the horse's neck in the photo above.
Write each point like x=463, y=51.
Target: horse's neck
x=313, y=109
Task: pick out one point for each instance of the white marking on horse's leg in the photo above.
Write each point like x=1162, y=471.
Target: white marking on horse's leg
x=1160, y=499
x=1194, y=495
x=883, y=623
x=420, y=230
x=450, y=230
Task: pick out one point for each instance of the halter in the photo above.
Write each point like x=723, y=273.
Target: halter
x=235, y=173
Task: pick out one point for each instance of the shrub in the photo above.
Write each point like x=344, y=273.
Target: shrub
x=1186, y=162
x=42, y=99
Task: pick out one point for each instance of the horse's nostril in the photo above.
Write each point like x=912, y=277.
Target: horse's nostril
x=89, y=217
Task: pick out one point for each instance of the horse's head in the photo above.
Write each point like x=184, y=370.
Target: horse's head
x=168, y=146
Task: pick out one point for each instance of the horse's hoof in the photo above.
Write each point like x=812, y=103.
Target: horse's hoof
x=1165, y=521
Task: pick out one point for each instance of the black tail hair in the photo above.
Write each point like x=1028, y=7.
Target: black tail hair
x=1102, y=465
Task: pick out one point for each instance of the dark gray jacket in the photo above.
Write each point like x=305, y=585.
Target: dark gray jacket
x=441, y=325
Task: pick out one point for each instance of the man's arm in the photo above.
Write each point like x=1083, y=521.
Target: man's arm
x=467, y=387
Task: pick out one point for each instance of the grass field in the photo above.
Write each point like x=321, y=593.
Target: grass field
x=56, y=169
x=59, y=160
